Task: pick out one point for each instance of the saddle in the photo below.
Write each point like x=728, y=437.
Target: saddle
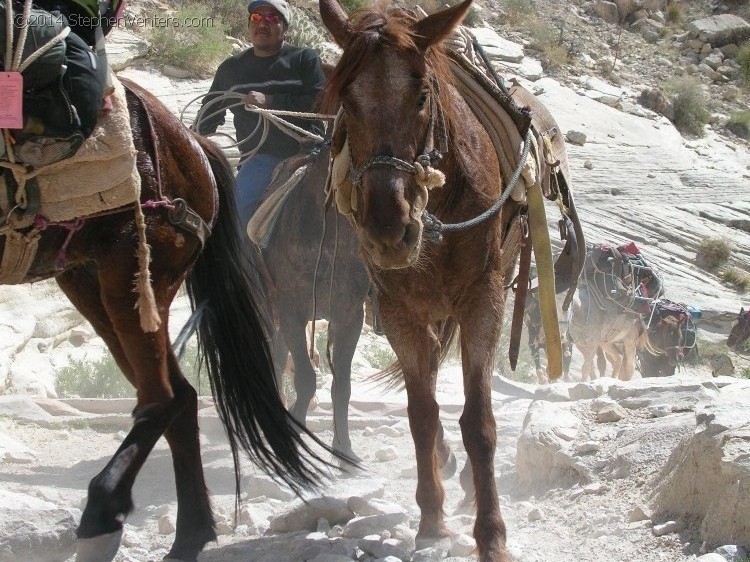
x=101, y=176
x=664, y=308
x=286, y=177
x=620, y=276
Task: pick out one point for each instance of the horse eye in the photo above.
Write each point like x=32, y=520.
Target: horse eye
x=422, y=100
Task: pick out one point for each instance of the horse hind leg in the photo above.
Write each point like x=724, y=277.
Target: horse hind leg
x=304, y=373
x=195, y=521
x=110, y=309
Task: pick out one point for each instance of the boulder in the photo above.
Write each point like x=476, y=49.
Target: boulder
x=720, y=30
x=707, y=477
x=34, y=530
x=545, y=451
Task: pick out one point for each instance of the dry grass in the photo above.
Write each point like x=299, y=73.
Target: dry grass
x=690, y=112
x=675, y=14
x=713, y=253
x=737, y=278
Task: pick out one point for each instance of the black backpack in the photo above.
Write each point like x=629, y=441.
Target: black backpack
x=62, y=94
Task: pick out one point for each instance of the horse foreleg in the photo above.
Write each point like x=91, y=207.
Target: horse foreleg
x=418, y=348
x=587, y=370
x=479, y=334
x=628, y=357
x=344, y=335
x=423, y=414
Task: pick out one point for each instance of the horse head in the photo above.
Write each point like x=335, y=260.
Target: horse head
x=667, y=335
x=740, y=332
x=392, y=107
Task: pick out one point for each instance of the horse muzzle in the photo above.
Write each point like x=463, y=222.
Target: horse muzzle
x=393, y=247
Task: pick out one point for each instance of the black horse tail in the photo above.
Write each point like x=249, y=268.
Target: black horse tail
x=233, y=341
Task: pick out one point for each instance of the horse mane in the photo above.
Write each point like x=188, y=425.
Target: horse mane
x=369, y=32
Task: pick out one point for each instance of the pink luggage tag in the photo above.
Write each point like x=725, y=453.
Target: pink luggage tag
x=11, y=100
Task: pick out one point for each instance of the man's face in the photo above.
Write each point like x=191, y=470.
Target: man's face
x=266, y=29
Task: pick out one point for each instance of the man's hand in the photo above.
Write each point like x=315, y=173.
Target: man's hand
x=258, y=99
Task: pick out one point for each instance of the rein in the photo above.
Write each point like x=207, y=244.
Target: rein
x=433, y=228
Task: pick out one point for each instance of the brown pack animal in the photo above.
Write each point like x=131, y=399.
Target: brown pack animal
x=403, y=126
x=740, y=331
x=314, y=272
x=187, y=196
x=605, y=316
x=671, y=335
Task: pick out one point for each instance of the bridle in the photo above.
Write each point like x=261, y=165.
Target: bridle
x=430, y=154
x=433, y=227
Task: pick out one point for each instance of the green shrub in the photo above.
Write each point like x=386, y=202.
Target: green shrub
x=737, y=278
x=380, y=356
x=353, y=5
x=231, y=14
x=321, y=343
x=197, y=43
x=517, y=11
x=304, y=32
x=713, y=252
x=103, y=378
x=690, y=113
x=98, y=379
x=743, y=59
x=547, y=41
x=739, y=124
x=675, y=14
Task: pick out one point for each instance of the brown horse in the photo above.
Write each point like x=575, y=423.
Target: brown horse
x=315, y=272
x=616, y=286
x=610, y=331
x=671, y=336
x=398, y=102
x=740, y=332
x=178, y=171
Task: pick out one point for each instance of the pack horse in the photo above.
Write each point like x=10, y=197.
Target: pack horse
x=411, y=160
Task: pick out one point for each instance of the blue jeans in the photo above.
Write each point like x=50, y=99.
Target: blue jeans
x=252, y=180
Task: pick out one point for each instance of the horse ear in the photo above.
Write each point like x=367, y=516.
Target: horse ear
x=336, y=21
x=436, y=27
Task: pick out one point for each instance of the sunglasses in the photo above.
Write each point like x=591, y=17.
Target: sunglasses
x=257, y=17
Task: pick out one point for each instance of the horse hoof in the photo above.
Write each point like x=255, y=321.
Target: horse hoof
x=442, y=542
x=449, y=467
x=98, y=549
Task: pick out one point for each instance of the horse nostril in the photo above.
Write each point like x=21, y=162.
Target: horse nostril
x=411, y=234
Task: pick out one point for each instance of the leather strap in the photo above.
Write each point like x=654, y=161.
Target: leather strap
x=522, y=288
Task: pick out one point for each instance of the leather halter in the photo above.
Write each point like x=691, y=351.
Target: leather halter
x=430, y=155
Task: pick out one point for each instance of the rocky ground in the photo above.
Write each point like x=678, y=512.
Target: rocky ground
x=651, y=470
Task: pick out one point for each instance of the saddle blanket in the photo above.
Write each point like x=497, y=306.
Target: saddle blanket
x=101, y=176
